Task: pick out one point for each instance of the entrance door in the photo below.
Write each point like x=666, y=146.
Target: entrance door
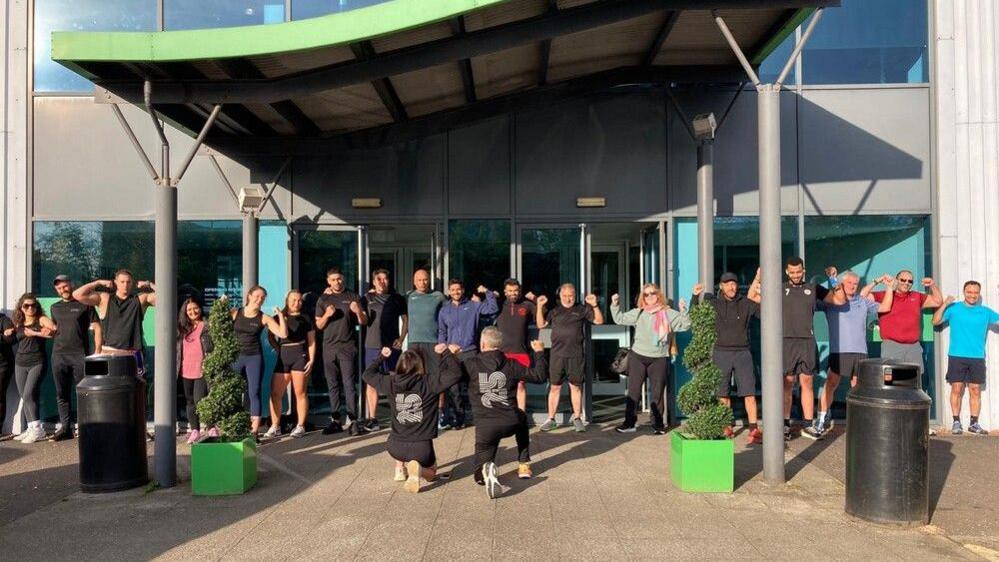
x=401, y=250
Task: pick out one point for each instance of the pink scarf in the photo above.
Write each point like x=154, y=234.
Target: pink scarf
x=660, y=321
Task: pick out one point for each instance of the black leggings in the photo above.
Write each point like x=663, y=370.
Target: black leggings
x=194, y=391
x=6, y=375
x=488, y=436
x=655, y=370
x=29, y=383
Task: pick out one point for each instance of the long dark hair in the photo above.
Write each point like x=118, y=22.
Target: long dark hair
x=19, y=313
x=184, y=324
x=410, y=363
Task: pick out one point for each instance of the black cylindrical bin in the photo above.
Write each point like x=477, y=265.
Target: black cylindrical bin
x=887, y=444
x=112, y=424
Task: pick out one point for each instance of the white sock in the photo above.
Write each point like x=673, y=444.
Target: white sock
x=822, y=417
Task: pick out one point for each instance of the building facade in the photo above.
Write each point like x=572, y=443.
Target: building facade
x=889, y=162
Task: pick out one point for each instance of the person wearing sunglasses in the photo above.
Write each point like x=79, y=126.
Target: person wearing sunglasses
x=32, y=328
x=648, y=359
x=900, y=317
x=7, y=340
x=969, y=323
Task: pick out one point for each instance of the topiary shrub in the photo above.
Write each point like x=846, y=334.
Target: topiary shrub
x=223, y=407
x=706, y=417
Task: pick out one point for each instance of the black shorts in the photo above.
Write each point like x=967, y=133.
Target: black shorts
x=291, y=358
x=737, y=364
x=800, y=356
x=965, y=370
x=846, y=364
x=562, y=368
x=419, y=451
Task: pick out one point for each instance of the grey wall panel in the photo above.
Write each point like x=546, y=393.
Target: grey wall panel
x=479, y=169
x=605, y=146
x=735, y=154
x=409, y=178
x=81, y=150
x=865, y=150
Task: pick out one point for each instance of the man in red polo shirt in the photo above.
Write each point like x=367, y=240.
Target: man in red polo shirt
x=900, y=317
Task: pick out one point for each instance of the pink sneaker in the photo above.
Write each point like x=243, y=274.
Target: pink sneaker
x=193, y=437
x=213, y=432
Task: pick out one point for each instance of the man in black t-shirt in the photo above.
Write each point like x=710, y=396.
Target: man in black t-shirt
x=338, y=313
x=73, y=320
x=385, y=309
x=515, y=316
x=800, y=352
x=567, y=320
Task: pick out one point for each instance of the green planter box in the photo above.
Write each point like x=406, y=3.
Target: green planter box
x=702, y=466
x=220, y=469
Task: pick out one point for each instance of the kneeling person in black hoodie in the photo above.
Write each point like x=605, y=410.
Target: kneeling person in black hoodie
x=415, y=410
x=492, y=390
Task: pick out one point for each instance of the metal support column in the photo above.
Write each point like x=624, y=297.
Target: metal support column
x=705, y=215
x=251, y=227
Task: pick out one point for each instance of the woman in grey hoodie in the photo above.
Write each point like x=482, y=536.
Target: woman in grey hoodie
x=654, y=321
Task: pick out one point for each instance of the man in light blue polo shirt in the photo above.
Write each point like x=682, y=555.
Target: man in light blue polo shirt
x=969, y=327
x=847, y=342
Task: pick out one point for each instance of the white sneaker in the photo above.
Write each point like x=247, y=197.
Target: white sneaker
x=299, y=431
x=400, y=474
x=274, y=431
x=34, y=434
x=412, y=484
x=493, y=487
x=21, y=436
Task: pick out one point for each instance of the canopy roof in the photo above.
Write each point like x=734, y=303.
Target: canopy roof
x=406, y=64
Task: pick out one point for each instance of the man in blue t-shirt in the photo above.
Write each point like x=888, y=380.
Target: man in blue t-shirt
x=969, y=327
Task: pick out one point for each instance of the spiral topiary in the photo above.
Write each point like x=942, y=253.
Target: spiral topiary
x=223, y=407
x=706, y=417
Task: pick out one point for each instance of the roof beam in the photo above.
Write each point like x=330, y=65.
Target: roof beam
x=465, y=64
x=426, y=125
x=546, y=48
x=288, y=110
x=774, y=36
x=451, y=49
x=363, y=51
x=668, y=24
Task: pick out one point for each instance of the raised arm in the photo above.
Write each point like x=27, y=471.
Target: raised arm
x=934, y=297
x=754, y=294
x=278, y=327
x=629, y=318
x=147, y=299
x=538, y=373
x=323, y=318
x=598, y=315
x=939, y=315
x=489, y=306
x=888, y=298
x=374, y=377
x=88, y=294
x=539, y=316
x=449, y=372
x=679, y=320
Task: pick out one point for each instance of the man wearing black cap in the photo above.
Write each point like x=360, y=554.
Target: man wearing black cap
x=731, y=352
x=69, y=347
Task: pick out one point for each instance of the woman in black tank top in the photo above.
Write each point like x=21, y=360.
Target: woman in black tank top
x=32, y=327
x=248, y=323
x=296, y=355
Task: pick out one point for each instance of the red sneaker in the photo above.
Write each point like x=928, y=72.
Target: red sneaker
x=729, y=433
x=755, y=437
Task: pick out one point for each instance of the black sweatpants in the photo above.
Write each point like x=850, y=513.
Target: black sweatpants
x=488, y=435
x=67, y=372
x=641, y=368
x=340, y=369
x=194, y=391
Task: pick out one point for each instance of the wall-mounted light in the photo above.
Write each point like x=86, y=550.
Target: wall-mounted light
x=250, y=198
x=705, y=126
x=366, y=202
x=591, y=201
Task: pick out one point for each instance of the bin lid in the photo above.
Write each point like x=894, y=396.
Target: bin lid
x=111, y=365
x=888, y=373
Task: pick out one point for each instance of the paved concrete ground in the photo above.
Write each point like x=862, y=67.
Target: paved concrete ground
x=596, y=495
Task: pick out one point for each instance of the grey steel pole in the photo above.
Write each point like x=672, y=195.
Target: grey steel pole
x=705, y=215
x=164, y=376
x=772, y=331
x=251, y=226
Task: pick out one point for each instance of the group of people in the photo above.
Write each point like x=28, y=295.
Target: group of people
x=454, y=369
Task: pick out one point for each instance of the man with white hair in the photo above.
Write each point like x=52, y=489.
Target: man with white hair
x=567, y=320
x=847, y=341
x=492, y=390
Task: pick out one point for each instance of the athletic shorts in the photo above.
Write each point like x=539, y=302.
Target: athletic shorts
x=904, y=352
x=291, y=358
x=562, y=368
x=800, y=356
x=846, y=364
x=522, y=358
x=735, y=364
x=965, y=370
x=419, y=451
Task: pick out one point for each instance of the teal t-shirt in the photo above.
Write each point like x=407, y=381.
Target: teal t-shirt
x=423, y=309
x=969, y=326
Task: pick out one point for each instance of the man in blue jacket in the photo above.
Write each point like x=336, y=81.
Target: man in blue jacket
x=457, y=324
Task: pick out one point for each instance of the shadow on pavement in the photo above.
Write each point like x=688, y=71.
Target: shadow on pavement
x=941, y=460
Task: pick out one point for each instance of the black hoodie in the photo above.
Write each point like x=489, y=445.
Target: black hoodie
x=492, y=386
x=414, y=397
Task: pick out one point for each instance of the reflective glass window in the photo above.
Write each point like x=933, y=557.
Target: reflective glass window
x=479, y=252
x=202, y=14
x=304, y=9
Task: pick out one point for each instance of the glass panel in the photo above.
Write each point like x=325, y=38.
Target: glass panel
x=549, y=258
x=774, y=63
x=209, y=260
x=864, y=42
x=384, y=260
x=606, y=277
x=319, y=250
x=81, y=15
x=202, y=14
x=650, y=260
x=870, y=246
x=303, y=9
x=479, y=252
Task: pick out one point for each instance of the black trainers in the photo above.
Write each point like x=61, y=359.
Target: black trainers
x=625, y=429
x=62, y=434
x=477, y=475
x=333, y=427
x=371, y=424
